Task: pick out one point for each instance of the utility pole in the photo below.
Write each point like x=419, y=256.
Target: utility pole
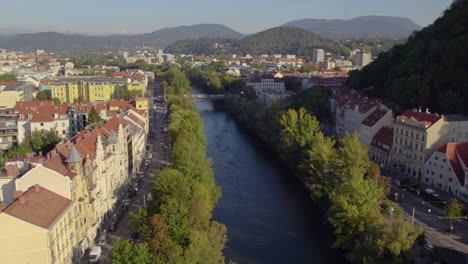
x=412, y=218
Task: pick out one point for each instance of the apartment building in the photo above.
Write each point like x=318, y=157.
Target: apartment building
x=373, y=123
x=11, y=92
x=37, y=228
x=266, y=83
x=66, y=119
x=381, y=146
x=92, y=169
x=417, y=135
x=351, y=109
x=447, y=169
x=318, y=55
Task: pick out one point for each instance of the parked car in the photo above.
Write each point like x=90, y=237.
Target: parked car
x=102, y=240
x=431, y=192
x=132, y=192
x=428, y=247
x=126, y=204
x=95, y=254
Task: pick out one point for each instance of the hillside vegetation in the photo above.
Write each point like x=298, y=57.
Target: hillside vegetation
x=429, y=70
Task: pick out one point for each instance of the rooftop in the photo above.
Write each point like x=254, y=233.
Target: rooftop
x=374, y=117
x=425, y=118
x=383, y=140
x=38, y=206
x=457, y=153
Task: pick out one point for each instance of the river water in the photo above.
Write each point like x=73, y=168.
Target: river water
x=269, y=216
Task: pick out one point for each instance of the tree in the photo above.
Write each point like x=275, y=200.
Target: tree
x=56, y=100
x=299, y=127
x=94, y=117
x=454, y=211
x=42, y=140
x=337, y=68
x=124, y=252
x=42, y=96
x=8, y=77
x=139, y=222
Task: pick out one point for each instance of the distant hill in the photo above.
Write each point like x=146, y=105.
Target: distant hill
x=359, y=27
x=276, y=40
x=53, y=41
x=167, y=36
x=429, y=70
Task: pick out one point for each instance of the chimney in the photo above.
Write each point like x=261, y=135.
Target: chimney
x=37, y=188
x=427, y=111
x=22, y=200
x=2, y=207
x=17, y=194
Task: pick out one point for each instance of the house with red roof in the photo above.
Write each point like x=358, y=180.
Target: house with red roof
x=351, y=109
x=90, y=169
x=417, y=135
x=447, y=169
x=379, y=118
x=39, y=226
x=381, y=146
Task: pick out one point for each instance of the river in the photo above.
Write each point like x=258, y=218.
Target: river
x=269, y=215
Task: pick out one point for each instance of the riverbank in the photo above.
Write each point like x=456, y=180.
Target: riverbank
x=268, y=214
x=351, y=203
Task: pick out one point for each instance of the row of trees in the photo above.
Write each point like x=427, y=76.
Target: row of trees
x=340, y=177
x=212, y=78
x=178, y=224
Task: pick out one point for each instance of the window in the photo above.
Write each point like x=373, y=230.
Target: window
x=427, y=171
x=430, y=163
x=440, y=176
x=42, y=124
x=437, y=158
x=450, y=169
x=417, y=136
x=422, y=137
x=444, y=160
x=406, y=132
x=450, y=179
x=411, y=134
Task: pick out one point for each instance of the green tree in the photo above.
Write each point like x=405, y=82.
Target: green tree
x=139, y=222
x=8, y=77
x=56, y=100
x=94, y=117
x=42, y=140
x=337, y=68
x=299, y=127
x=124, y=252
x=42, y=96
x=454, y=211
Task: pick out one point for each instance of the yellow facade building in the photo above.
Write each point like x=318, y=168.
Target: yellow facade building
x=86, y=89
x=37, y=228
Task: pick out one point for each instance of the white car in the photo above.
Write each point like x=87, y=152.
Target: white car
x=428, y=247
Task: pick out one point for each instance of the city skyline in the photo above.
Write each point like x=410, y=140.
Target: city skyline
x=103, y=18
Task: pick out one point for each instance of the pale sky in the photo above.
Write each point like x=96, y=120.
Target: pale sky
x=245, y=16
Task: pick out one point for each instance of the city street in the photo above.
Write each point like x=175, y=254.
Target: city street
x=158, y=146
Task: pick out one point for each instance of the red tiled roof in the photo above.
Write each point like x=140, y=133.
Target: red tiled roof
x=374, y=117
x=383, y=138
x=424, y=118
x=7, y=82
x=457, y=153
x=41, y=117
x=38, y=206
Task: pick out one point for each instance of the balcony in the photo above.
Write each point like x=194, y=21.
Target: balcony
x=91, y=187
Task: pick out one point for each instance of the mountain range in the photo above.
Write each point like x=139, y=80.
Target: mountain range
x=375, y=26
x=359, y=27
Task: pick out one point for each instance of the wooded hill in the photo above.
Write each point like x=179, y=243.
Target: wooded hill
x=429, y=70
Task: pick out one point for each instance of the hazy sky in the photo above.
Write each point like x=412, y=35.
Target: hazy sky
x=246, y=16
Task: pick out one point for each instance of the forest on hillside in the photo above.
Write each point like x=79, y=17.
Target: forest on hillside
x=429, y=70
